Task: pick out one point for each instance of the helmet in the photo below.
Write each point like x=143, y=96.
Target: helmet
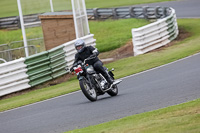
x=78, y=43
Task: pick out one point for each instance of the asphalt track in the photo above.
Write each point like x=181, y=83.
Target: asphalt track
x=164, y=86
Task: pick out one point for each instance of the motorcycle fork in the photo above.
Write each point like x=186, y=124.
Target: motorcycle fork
x=90, y=82
x=102, y=77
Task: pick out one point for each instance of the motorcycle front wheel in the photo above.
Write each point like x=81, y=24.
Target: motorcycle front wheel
x=113, y=91
x=88, y=91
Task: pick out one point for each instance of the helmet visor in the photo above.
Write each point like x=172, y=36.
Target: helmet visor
x=79, y=47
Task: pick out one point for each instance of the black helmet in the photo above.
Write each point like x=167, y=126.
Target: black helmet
x=78, y=43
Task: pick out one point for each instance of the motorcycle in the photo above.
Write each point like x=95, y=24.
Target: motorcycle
x=92, y=83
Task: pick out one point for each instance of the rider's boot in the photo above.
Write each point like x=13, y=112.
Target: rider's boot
x=109, y=80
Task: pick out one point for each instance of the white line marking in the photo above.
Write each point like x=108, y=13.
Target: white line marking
x=120, y=78
x=40, y=102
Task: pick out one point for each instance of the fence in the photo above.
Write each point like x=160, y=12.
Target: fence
x=155, y=35
x=4, y=47
x=96, y=13
x=27, y=72
x=16, y=53
x=2, y=61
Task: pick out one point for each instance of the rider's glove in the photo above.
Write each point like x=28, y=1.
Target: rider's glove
x=71, y=69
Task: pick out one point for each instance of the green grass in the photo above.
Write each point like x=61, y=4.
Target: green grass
x=187, y=47
x=183, y=118
x=9, y=7
x=112, y=34
x=8, y=36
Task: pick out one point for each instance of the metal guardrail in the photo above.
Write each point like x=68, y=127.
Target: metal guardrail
x=2, y=61
x=93, y=14
x=15, y=50
x=14, y=22
x=4, y=47
x=128, y=12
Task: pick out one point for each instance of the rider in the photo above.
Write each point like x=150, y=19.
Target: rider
x=84, y=52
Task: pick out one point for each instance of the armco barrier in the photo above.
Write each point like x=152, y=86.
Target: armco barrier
x=155, y=35
x=57, y=61
x=38, y=67
x=13, y=77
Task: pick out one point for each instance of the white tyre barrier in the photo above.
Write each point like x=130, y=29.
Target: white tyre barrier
x=13, y=77
x=155, y=35
x=14, y=87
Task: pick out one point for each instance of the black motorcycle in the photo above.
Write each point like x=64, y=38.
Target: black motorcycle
x=92, y=83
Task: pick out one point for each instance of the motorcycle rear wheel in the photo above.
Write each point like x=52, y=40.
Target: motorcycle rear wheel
x=89, y=92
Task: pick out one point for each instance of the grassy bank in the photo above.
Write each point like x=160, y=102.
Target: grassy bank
x=9, y=7
x=112, y=34
x=136, y=64
x=183, y=118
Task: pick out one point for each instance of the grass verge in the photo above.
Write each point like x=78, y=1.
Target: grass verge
x=183, y=118
x=187, y=47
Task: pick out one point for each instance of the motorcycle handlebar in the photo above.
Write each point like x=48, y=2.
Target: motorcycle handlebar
x=89, y=58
